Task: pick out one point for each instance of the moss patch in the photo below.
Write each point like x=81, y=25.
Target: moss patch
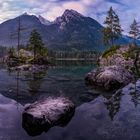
x=110, y=51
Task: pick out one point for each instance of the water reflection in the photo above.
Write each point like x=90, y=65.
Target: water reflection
x=36, y=80
x=135, y=98
x=113, y=104
x=71, y=63
x=63, y=79
x=106, y=116
x=35, y=129
x=18, y=72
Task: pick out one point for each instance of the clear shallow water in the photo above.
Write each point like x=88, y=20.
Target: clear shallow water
x=60, y=80
x=93, y=118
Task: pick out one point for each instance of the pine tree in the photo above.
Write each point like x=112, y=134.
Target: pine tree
x=134, y=30
x=113, y=29
x=36, y=43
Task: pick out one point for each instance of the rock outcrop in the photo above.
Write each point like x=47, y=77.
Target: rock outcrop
x=42, y=115
x=120, y=55
x=109, y=78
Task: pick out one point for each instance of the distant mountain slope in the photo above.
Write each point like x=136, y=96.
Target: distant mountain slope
x=69, y=31
x=8, y=29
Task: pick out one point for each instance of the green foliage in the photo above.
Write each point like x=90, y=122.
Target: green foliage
x=113, y=29
x=44, y=52
x=36, y=45
x=109, y=52
x=25, y=56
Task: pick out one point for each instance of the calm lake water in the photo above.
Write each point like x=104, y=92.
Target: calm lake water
x=94, y=119
x=63, y=79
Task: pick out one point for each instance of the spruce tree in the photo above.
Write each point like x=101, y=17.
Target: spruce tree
x=36, y=43
x=113, y=29
x=135, y=31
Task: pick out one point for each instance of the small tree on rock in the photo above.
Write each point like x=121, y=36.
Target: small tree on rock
x=36, y=43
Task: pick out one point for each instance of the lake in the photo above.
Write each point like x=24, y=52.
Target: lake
x=94, y=119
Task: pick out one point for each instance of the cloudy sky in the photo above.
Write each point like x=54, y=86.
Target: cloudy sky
x=50, y=9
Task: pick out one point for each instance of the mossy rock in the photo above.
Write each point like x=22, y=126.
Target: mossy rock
x=111, y=51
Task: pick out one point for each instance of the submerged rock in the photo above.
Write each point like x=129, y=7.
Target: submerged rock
x=30, y=67
x=42, y=115
x=109, y=78
x=23, y=67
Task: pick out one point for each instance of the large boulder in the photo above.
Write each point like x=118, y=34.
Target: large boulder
x=109, y=78
x=42, y=115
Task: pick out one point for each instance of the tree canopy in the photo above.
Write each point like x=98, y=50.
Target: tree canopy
x=36, y=44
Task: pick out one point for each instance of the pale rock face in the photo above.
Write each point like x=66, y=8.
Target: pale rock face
x=51, y=108
x=109, y=78
x=67, y=16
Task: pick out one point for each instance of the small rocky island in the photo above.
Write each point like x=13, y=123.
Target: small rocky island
x=118, y=67
x=124, y=55
x=33, y=56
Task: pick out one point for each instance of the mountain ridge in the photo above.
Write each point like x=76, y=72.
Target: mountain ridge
x=72, y=30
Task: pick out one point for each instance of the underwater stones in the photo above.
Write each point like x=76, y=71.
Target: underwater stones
x=42, y=115
x=109, y=78
x=23, y=67
x=30, y=67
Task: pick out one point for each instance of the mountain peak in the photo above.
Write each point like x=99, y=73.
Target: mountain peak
x=68, y=16
x=71, y=13
x=25, y=13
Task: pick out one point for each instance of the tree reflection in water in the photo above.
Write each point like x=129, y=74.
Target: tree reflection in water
x=35, y=80
x=26, y=84
x=18, y=72
x=113, y=104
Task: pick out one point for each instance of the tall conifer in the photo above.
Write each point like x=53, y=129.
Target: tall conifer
x=113, y=29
